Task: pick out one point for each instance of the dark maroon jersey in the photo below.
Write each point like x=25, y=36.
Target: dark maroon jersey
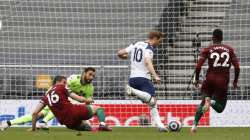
x=220, y=58
x=57, y=100
x=67, y=113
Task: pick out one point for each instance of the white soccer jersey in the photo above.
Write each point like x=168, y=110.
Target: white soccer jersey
x=139, y=51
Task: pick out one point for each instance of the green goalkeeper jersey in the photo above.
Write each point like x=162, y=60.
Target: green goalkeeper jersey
x=74, y=85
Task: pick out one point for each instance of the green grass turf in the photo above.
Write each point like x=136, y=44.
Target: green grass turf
x=128, y=134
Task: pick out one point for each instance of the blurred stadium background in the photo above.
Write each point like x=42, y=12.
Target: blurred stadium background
x=43, y=38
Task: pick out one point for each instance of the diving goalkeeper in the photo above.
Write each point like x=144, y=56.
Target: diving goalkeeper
x=79, y=84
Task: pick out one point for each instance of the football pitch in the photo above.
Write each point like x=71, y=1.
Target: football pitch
x=127, y=134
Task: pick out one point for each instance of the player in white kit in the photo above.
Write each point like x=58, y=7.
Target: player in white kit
x=140, y=83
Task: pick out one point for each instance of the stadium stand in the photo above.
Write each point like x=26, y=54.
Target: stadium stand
x=59, y=37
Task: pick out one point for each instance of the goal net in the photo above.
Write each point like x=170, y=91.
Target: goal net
x=41, y=39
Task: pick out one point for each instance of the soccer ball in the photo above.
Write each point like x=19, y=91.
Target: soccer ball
x=174, y=126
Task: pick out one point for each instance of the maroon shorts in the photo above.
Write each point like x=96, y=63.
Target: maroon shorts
x=76, y=115
x=215, y=86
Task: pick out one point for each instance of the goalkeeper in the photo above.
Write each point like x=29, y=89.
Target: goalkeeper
x=79, y=84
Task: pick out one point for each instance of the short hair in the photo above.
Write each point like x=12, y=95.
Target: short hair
x=58, y=79
x=89, y=69
x=218, y=34
x=154, y=34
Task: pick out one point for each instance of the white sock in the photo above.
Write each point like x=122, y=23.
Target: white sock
x=156, y=117
x=102, y=123
x=144, y=96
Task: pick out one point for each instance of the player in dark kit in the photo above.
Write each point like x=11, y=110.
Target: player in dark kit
x=71, y=115
x=214, y=87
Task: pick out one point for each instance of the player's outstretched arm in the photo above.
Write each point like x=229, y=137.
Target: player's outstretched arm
x=236, y=65
x=38, y=108
x=123, y=54
x=150, y=67
x=80, y=98
x=201, y=61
